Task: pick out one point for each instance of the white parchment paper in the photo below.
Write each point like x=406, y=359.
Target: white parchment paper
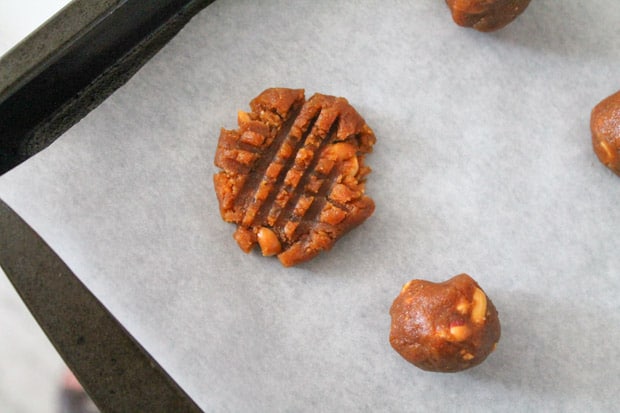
x=483, y=164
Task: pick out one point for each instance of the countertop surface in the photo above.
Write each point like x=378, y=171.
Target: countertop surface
x=19, y=19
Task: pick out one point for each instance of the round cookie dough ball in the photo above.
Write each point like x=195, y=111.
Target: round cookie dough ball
x=605, y=127
x=444, y=327
x=486, y=15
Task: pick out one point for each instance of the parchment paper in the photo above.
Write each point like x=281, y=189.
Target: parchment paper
x=483, y=164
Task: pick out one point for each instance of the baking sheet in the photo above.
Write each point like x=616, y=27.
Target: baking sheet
x=483, y=164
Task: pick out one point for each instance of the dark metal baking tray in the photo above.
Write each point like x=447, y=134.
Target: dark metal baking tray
x=73, y=62
x=48, y=82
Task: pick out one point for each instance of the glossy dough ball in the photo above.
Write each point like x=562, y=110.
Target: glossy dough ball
x=605, y=127
x=444, y=327
x=486, y=15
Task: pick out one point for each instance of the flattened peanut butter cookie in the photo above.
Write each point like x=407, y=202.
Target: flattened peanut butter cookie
x=293, y=174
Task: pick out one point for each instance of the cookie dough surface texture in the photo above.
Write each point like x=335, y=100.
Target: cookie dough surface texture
x=444, y=327
x=486, y=15
x=605, y=128
x=293, y=174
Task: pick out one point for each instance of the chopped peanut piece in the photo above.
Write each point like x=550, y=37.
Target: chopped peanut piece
x=242, y=117
x=351, y=167
x=479, y=307
x=460, y=332
x=463, y=306
x=340, y=151
x=268, y=242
